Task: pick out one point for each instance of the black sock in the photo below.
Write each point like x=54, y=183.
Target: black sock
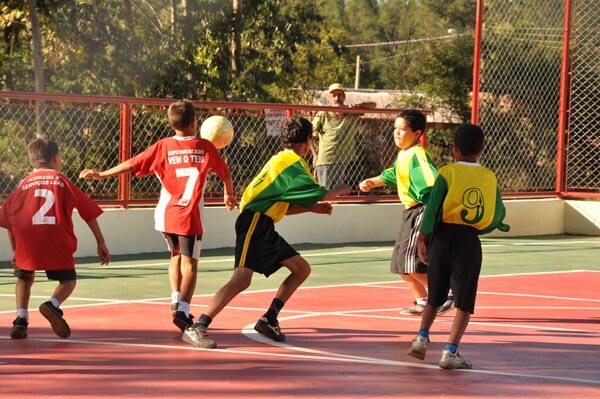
x=274, y=310
x=204, y=320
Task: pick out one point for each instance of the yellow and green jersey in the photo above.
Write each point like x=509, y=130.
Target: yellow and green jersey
x=467, y=194
x=285, y=180
x=412, y=175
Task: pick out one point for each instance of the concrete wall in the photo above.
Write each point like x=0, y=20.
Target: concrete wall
x=132, y=230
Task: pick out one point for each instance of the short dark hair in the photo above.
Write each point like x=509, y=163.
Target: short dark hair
x=296, y=131
x=469, y=139
x=181, y=114
x=415, y=118
x=41, y=151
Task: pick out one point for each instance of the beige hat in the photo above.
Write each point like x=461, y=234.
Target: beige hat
x=335, y=86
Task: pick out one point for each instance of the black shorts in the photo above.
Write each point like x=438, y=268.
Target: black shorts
x=58, y=275
x=258, y=246
x=187, y=245
x=454, y=255
x=405, y=258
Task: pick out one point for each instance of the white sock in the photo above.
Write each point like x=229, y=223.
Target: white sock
x=175, y=296
x=55, y=302
x=422, y=301
x=23, y=312
x=184, y=307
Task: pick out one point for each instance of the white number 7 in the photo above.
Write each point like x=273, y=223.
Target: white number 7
x=40, y=216
x=192, y=174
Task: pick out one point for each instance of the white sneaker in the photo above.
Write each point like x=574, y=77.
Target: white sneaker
x=418, y=347
x=197, y=336
x=451, y=361
x=446, y=306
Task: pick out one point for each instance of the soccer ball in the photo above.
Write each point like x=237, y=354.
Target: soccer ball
x=218, y=130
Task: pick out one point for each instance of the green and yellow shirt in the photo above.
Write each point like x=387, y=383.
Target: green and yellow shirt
x=412, y=175
x=467, y=194
x=285, y=180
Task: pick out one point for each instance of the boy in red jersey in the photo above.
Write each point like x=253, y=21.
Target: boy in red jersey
x=40, y=229
x=181, y=162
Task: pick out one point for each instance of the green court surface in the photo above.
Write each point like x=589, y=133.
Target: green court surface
x=144, y=276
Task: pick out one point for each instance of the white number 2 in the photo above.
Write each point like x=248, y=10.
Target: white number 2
x=192, y=175
x=40, y=216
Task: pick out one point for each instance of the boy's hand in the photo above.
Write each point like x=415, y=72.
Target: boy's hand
x=422, y=248
x=323, y=208
x=89, y=174
x=366, y=185
x=231, y=202
x=103, y=254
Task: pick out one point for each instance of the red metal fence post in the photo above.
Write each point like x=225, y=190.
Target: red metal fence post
x=564, y=102
x=477, y=63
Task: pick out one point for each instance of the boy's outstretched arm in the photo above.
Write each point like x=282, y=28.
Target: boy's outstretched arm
x=230, y=200
x=324, y=208
x=369, y=184
x=103, y=253
x=342, y=189
x=92, y=174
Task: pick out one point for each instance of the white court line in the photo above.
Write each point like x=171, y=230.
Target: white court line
x=249, y=332
x=362, y=251
x=312, y=354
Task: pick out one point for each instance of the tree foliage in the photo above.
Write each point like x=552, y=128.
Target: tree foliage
x=161, y=48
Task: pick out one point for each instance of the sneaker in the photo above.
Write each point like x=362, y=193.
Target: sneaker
x=272, y=331
x=415, y=309
x=55, y=316
x=197, y=336
x=182, y=321
x=418, y=347
x=446, y=306
x=452, y=361
x=174, y=307
x=19, y=328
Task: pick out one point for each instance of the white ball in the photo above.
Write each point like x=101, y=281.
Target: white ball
x=218, y=130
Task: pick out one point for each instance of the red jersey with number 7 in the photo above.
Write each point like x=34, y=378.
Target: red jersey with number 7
x=39, y=214
x=181, y=163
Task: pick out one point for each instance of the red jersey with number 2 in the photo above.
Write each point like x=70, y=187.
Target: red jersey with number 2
x=181, y=163
x=39, y=213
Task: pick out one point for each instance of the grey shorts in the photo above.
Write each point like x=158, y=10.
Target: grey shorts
x=405, y=258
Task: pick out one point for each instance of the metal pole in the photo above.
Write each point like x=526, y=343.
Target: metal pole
x=477, y=63
x=564, y=102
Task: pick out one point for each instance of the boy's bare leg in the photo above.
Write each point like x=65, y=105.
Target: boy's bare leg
x=189, y=276
x=239, y=281
x=64, y=289
x=417, y=284
x=23, y=292
x=459, y=325
x=175, y=272
x=300, y=271
x=428, y=317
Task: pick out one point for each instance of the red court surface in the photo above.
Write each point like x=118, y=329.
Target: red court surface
x=532, y=336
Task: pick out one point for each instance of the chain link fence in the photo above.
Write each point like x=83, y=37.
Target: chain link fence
x=521, y=57
x=583, y=157
x=96, y=133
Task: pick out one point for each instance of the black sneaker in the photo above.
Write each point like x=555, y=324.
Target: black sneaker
x=174, y=307
x=182, y=321
x=269, y=330
x=19, y=328
x=55, y=316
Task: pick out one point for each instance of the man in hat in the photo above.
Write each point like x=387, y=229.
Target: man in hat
x=337, y=134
